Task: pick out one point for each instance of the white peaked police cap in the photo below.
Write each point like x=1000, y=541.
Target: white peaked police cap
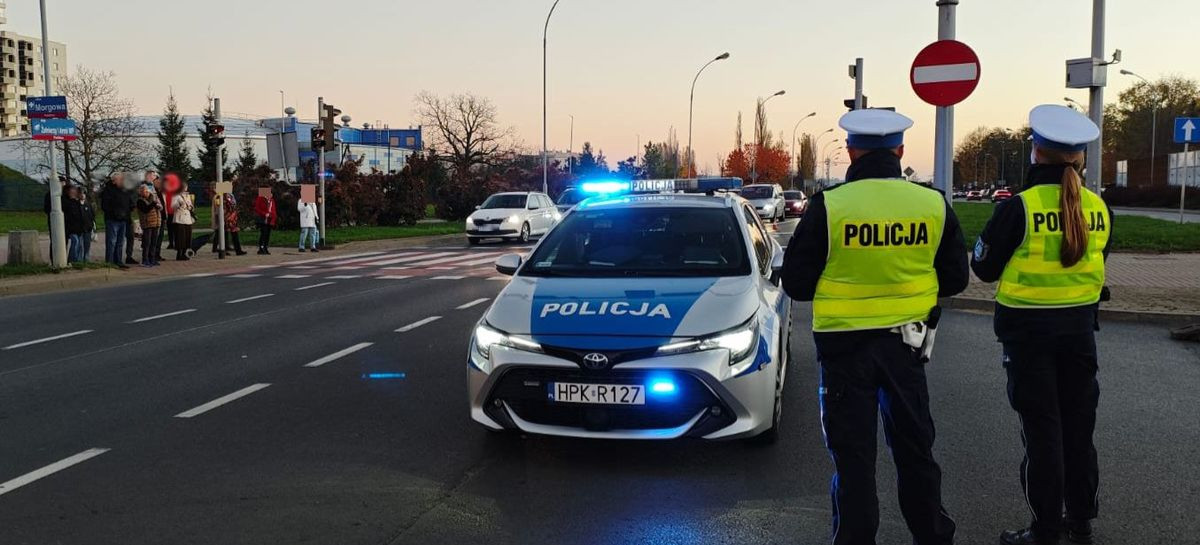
x=1061, y=128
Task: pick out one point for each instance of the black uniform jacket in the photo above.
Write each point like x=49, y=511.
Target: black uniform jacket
x=809, y=248
x=996, y=245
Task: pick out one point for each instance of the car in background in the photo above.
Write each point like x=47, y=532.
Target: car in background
x=958, y=194
x=1001, y=195
x=974, y=195
x=570, y=197
x=767, y=199
x=512, y=216
x=795, y=203
x=651, y=316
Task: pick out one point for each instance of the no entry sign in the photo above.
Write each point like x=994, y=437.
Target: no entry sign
x=945, y=73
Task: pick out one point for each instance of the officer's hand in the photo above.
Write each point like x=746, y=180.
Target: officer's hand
x=1105, y=294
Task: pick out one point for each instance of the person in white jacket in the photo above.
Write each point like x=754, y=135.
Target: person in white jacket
x=308, y=224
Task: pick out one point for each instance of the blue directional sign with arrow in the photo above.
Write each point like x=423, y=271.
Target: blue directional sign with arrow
x=1187, y=130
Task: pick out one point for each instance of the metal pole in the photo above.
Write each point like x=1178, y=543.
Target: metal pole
x=795, y=163
x=858, y=88
x=545, y=157
x=321, y=166
x=1096, y=99
x=58, y=230
x=1153, y=137
x=571, y=144
x=220, y=179
x=691, y=101
x=282, y=148
x=1183, y=181
x=759, y=135
x=943, y=140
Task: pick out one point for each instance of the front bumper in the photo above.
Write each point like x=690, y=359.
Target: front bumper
x=708, y=403
x=766, y=212
x=492, y=233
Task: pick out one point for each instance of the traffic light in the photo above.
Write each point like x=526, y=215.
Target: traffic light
x=318, y=138
x=329, y=126
x=849, y=103
x=217, y=133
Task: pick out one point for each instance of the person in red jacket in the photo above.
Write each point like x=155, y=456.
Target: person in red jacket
x=265, y=216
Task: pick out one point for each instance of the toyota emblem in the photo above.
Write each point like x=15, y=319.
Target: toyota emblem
x=595, y=360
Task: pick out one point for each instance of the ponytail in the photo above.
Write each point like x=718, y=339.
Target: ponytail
x=1074, y=226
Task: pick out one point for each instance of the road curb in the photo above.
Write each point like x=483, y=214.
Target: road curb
x=1163, y=318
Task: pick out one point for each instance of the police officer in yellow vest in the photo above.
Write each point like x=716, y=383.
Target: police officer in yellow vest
x=1047, y=248
x=873, y=255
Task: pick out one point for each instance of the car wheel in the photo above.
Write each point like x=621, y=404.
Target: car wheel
x=473, y=241
x=771, y=436
x=524, y=237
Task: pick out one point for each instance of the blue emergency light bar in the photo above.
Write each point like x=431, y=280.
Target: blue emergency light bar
x=685, y=185
x=604, y=188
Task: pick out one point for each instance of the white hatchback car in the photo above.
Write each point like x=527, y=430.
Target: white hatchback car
x=512, y=216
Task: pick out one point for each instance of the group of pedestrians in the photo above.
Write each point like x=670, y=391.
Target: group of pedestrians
x=161, y=215
x=79, y=221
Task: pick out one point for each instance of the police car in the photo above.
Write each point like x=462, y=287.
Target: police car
x=640, y=316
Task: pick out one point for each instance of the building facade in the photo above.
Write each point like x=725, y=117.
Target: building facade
x=21, y=75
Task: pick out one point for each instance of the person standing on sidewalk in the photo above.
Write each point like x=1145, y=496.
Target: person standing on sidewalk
x=89, y=226
x=115, y=203
x=131, y=230
x=160, y=195
x=183, y=219
x=308, y=224
x=151, y=219
x=232, y=238
x=265, y=216
x=73, y=222
x=1047, y=247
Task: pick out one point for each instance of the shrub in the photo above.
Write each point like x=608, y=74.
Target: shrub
x=1151, y=197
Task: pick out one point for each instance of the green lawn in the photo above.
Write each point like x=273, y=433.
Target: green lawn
x=1131, y=233
x=9, y=271
x=26, y=220
x=342, y=235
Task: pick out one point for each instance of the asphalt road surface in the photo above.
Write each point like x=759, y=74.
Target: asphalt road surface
x=282, y=406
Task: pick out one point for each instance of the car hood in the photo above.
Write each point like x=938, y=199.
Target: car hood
x=495, y=213
x=759, y=202
x=621, y=312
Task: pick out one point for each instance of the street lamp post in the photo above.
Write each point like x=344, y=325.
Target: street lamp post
x=828, y=158
x=571, y=150
x=794, y=164
x=691, y=100
x=1153, y=121
x=58, y=230
x=757, y=135
x=545, y=156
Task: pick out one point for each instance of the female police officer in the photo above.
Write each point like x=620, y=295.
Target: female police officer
x=1047, y=248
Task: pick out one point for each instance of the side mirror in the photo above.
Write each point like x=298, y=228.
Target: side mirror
x=508, y=264
x=477, y=207
x=777, y=254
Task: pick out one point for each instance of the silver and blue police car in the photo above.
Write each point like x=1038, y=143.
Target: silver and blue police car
x=638, y=317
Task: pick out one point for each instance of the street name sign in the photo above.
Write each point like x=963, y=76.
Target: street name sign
x=49, y=107
x=945, y=73
x=1187, y=130
x=54, y=129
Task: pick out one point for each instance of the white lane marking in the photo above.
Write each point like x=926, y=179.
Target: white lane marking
x=398, y=268
x=245, y=275
x=201, y=275
x=472, y=303
x=448, y=260
x=478, y=262
x=47, y=339
x=945, y=72
x=51, y=469
x=331, y=258
x=448, y=278
x=302, y=288
x=405, y=259
x=157, y=316
x=293, y=276
x=303, y=267
x=251, y=298
x=418, y=323
x=393, y=277
x=344, y=276
x=441, y=268
x=337, y=355
x=505, y=278
x=345, y=268
x=199, y=410
x=374, y=258
x=262, y=266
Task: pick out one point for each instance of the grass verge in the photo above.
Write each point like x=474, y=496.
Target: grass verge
x=36, y=221
x=12, y=271
x=1130, y=233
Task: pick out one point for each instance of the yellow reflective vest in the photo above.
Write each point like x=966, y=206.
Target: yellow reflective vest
x=883, y=236
x=1034, y=276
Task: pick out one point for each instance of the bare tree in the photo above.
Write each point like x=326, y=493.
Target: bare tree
x=108, y=132
x=466, y=131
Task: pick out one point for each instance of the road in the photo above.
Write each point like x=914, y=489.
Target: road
x=1189, y=216
x=282, y=405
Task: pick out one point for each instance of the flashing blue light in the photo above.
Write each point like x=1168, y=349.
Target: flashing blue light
x=376, y=376
x=662, y=386
x=604, y=188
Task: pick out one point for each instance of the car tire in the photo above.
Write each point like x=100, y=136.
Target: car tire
x=771, y=436
x=524, y=236
x=474, y=241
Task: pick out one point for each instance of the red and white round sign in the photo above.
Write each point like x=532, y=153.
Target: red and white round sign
x=945, y=73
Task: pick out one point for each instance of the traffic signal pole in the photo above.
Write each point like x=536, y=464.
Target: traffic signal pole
x=943, y=139
x=220, y=179
x=321, y=168
x=58, y=229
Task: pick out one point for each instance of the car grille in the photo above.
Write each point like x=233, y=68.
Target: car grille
x=488, y=222
x=525, y=391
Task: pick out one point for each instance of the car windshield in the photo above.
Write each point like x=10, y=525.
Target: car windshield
x=504, y=201
x=571, y=196
x=643, y=242
x=757, y=192
x=793, y=195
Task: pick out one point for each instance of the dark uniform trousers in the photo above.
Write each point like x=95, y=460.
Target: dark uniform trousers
x=880, y=374
x=1052, y=386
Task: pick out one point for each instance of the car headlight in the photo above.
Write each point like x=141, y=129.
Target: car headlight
x=487, y=337
x=514, y=218
x=739, y=341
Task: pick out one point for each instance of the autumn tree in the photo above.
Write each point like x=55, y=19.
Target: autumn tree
x=1128, y=122
x=105, y=123
x=466, y=130
x=992, y=156
x=806, y=166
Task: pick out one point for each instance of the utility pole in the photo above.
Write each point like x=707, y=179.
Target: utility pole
x=545, y=150
x=58, y=229
x=220, y=180
x=321, y=165
x=943, y=139
x=1096, y=98
x=858, y=86
x=571, y=150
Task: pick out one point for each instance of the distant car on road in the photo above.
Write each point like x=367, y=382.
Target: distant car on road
x=767, y=199
x=512, y=216
x=958, y=194
x=570, y=197
x=795, y=203
x=974, y=195
x=1001, y=195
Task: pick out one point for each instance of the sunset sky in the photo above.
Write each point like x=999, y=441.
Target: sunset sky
x=621, y=67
